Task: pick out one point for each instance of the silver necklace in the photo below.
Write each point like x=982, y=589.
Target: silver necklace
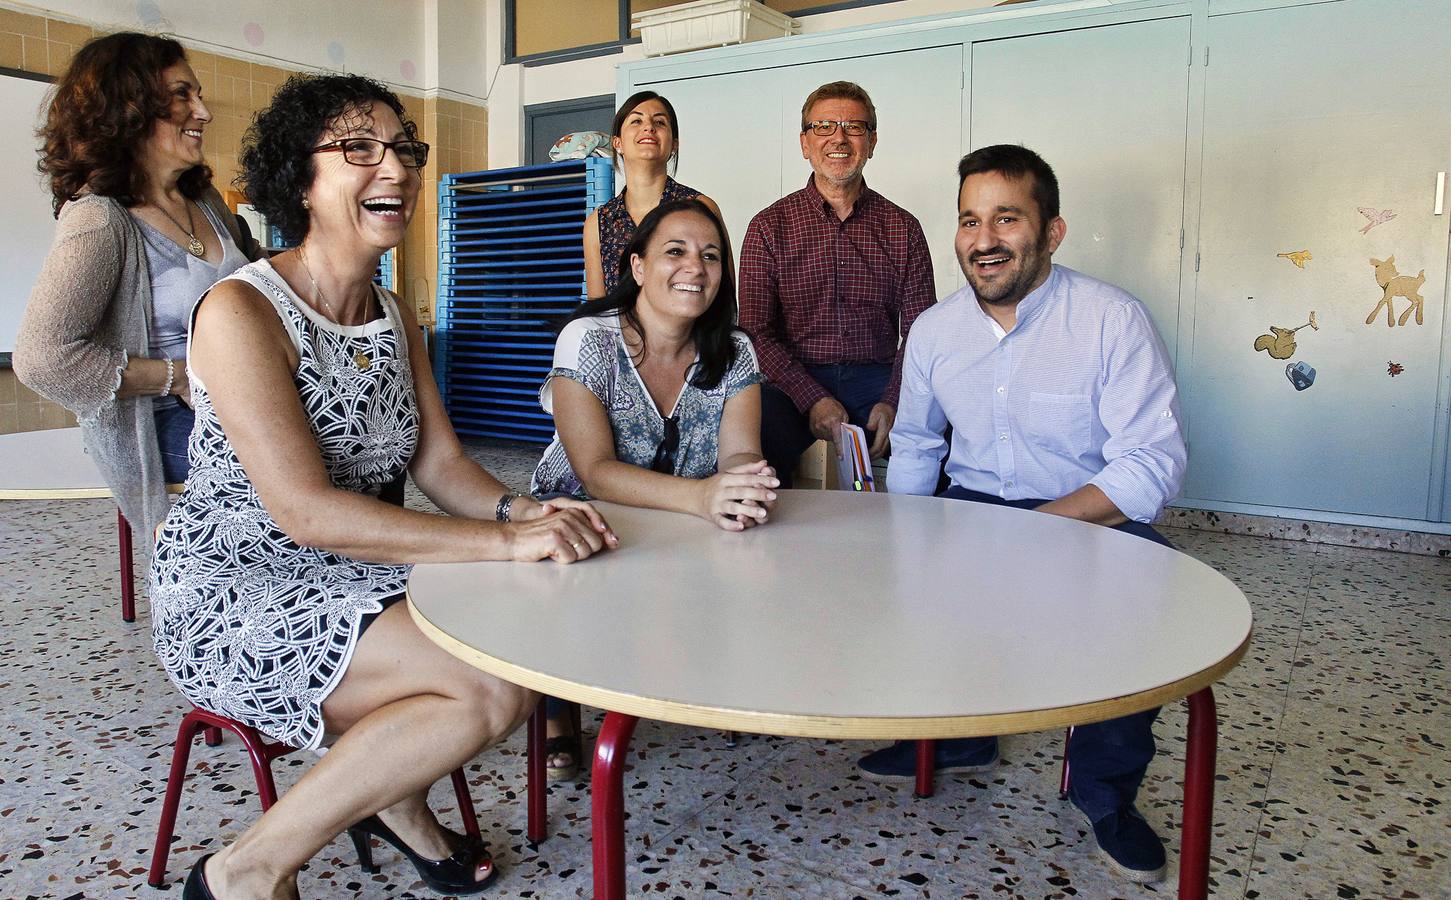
x=360, y=359
x=193, y=246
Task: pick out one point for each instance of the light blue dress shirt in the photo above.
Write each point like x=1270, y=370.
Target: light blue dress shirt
x=1079, y=392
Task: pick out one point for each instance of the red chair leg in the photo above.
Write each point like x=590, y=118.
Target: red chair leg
x=180, y=753
x=537, y=828
x=259, y=751
x=261, y=764
x=465, y=803
x=1064, y=779
x=128, y=589
x=213, y=735
x=926, y=750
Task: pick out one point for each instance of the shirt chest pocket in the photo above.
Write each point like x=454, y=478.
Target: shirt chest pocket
x=1061, y=423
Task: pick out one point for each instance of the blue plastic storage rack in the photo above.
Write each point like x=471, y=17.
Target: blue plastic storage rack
x=510, y=267
x=387, y=274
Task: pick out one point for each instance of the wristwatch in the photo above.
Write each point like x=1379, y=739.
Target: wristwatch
x=506, y=506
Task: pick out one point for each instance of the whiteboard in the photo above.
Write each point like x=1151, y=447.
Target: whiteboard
x=27, y=226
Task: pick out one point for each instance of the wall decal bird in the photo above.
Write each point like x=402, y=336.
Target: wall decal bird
x=1376, y=217
x=1298, y=257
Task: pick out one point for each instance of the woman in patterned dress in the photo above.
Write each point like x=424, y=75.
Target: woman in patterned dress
x=646, y=140
x=277, y=573
x=656, y=396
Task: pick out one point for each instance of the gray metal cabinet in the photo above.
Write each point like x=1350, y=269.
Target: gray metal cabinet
x=1312, y=113
x=1105, y=107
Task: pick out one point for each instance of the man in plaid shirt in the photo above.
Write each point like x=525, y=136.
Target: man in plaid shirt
x=831, y=278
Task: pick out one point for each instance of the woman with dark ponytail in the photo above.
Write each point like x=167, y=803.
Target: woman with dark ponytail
x=645, y=146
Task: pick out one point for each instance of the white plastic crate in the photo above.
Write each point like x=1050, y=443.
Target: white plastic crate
x=710, y=23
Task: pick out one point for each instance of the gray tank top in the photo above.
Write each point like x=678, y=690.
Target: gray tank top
x=178, y=279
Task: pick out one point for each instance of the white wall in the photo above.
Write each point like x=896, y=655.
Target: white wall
x=455, y=38
x=518, y=86
x=380, y=38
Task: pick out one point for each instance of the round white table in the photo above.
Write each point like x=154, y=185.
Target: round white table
x=862, y=616
x=54, y=465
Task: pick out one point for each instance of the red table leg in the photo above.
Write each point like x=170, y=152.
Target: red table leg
x=128, y=590
x=1198, y=797
x=607, y=805
x=538, y=827
x=926, y=750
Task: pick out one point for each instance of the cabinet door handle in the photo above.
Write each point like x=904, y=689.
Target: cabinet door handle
x=1440, y=206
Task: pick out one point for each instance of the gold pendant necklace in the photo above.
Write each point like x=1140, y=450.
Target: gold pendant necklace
x=360, y=359
x=193, y=246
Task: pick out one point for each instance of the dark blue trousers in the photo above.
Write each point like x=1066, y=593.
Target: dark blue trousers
x=173, y=431
x=1107, y=760
x=786, y=431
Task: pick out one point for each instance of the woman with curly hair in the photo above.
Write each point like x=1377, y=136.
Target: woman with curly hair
x=141, y=234
x=276, y=582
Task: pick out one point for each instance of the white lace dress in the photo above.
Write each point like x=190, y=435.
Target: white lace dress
x=245, y=621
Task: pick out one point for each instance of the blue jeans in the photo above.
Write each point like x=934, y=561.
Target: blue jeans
x=786, y=431
x=1107, y=759
x=173, y=432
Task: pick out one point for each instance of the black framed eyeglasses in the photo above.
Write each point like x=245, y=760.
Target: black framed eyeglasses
x=369, y=151
x=827, y=127
x=669, y=445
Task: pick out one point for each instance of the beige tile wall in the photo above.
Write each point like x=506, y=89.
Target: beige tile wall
x=458, y=132
x=235, y=90
x=21, y=409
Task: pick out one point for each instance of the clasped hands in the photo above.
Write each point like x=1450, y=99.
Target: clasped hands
x=741, y=497
x=563, y=529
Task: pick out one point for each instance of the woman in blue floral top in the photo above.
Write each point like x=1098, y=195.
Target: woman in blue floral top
x=654, y=391
x=656, y=394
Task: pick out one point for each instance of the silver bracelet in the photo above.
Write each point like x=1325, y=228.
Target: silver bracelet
x=506, y=506
x=170, y=374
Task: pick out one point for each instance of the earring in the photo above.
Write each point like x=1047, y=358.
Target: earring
x=305, y=204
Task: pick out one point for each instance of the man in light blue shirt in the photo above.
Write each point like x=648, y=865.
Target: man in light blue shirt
x=1060, y=398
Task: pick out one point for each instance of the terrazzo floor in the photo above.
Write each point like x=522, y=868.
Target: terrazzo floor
x=1333, y=766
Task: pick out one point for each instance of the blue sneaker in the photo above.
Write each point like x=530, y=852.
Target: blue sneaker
x=898, y=762
x=1130, y=846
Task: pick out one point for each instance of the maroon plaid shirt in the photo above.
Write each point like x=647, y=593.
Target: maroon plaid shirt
x=816, y=290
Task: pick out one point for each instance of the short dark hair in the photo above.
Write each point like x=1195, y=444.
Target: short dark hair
x=713, y=330
x=1014, y=161
x=277, y=158
x=628, y=107
x=104, y=106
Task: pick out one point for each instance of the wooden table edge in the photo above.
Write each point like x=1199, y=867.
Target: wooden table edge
x=829, y=727
x=95, y=493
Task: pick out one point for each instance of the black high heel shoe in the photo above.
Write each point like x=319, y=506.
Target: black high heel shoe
x=454, y=875
x=196, y=883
